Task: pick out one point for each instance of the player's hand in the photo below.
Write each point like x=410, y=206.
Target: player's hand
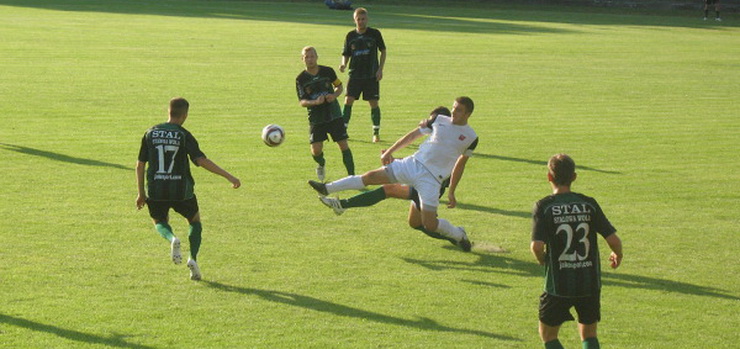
x=320, y=100
x=615, y=260
x=140, y=202
x=379, y=74
x=452, y=201
x=386, y=157
x=235, y=182
x=342, y=67
x=330, y=98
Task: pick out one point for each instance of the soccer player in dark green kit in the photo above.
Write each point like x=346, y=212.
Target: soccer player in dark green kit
x=169, y=184
x=361, y=47
x=567, y=223
x=318, y=89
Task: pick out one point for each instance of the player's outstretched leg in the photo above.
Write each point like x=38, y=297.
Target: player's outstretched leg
x=319, y=187
x=445, y=228
x=332, y=203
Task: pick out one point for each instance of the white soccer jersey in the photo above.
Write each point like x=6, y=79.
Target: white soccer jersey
x=446, y=143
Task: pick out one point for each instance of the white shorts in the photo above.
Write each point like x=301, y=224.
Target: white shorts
x=411, y=172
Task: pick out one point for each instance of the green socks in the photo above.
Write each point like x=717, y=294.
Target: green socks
x=347, y=113
x=365, y=199
x=319, y=159
x=165, y=230
x=375, y=116
x=553, y=344
x=591, y=343
x=194, y=238
x=349, y=162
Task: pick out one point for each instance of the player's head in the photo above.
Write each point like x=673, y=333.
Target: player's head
x=561, y=170
x=178, y=108
x=441, y=110
x=309, y=56
x=360, y=17
x=462, y=108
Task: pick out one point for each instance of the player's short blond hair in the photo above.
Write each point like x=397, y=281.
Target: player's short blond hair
x=308, y=48
x=360, y=11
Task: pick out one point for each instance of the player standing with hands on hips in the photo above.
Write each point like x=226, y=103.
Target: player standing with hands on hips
x=361, y=47
x=318, y=89
x=169, y=184
x=443, y=155
x=567, y=223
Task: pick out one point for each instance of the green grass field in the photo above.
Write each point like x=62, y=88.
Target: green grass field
x=645, y=103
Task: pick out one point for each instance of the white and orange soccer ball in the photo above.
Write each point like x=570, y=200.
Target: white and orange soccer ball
x=273, y=135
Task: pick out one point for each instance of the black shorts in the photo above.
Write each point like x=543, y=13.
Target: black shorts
x=711, y=2
x=159, y=210
x=555, y=310
x=370, y=89
x=335, y=128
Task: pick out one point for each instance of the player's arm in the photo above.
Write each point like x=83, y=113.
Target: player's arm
x=615, y=244
x=538, y=250
x=303, y=97
x=457, y=173
x=379, y=73
x=141, y=197
x=212, y=167
x=338, y=89
x=343, y=64
x=387, y=156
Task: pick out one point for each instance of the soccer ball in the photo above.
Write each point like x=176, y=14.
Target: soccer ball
x=273, y=135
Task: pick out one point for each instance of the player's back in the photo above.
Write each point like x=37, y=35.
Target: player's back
x=168, y=173
x=569, y=223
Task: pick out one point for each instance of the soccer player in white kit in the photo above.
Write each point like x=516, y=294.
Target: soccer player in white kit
x=443, y=155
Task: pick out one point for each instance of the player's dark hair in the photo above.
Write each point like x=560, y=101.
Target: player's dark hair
x=467, y=102
x=179, y=107
x=441, y=110
x=562, y=168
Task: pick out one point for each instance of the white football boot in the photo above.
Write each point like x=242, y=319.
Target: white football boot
x=194, y=270
x=175, y=251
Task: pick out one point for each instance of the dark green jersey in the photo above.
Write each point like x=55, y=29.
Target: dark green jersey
x=363, y=52
x=568, y=224
x=166, y=147
x=312, y=87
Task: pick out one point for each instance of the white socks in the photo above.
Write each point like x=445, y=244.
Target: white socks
x=346, y=183
x=446, y=228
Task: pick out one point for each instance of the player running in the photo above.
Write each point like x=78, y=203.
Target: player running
x=169, y=184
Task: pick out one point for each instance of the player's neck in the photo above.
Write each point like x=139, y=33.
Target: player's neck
x=175, y=121
x=360, y=31
x=313, y=70
x=558, y=189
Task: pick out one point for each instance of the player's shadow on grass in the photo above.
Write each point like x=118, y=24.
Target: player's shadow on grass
x=649, y=283
x=487, y=263
x=117, y=340
x=521, y=214
x=538, y=162
x=323, y=306
x=60, y=157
